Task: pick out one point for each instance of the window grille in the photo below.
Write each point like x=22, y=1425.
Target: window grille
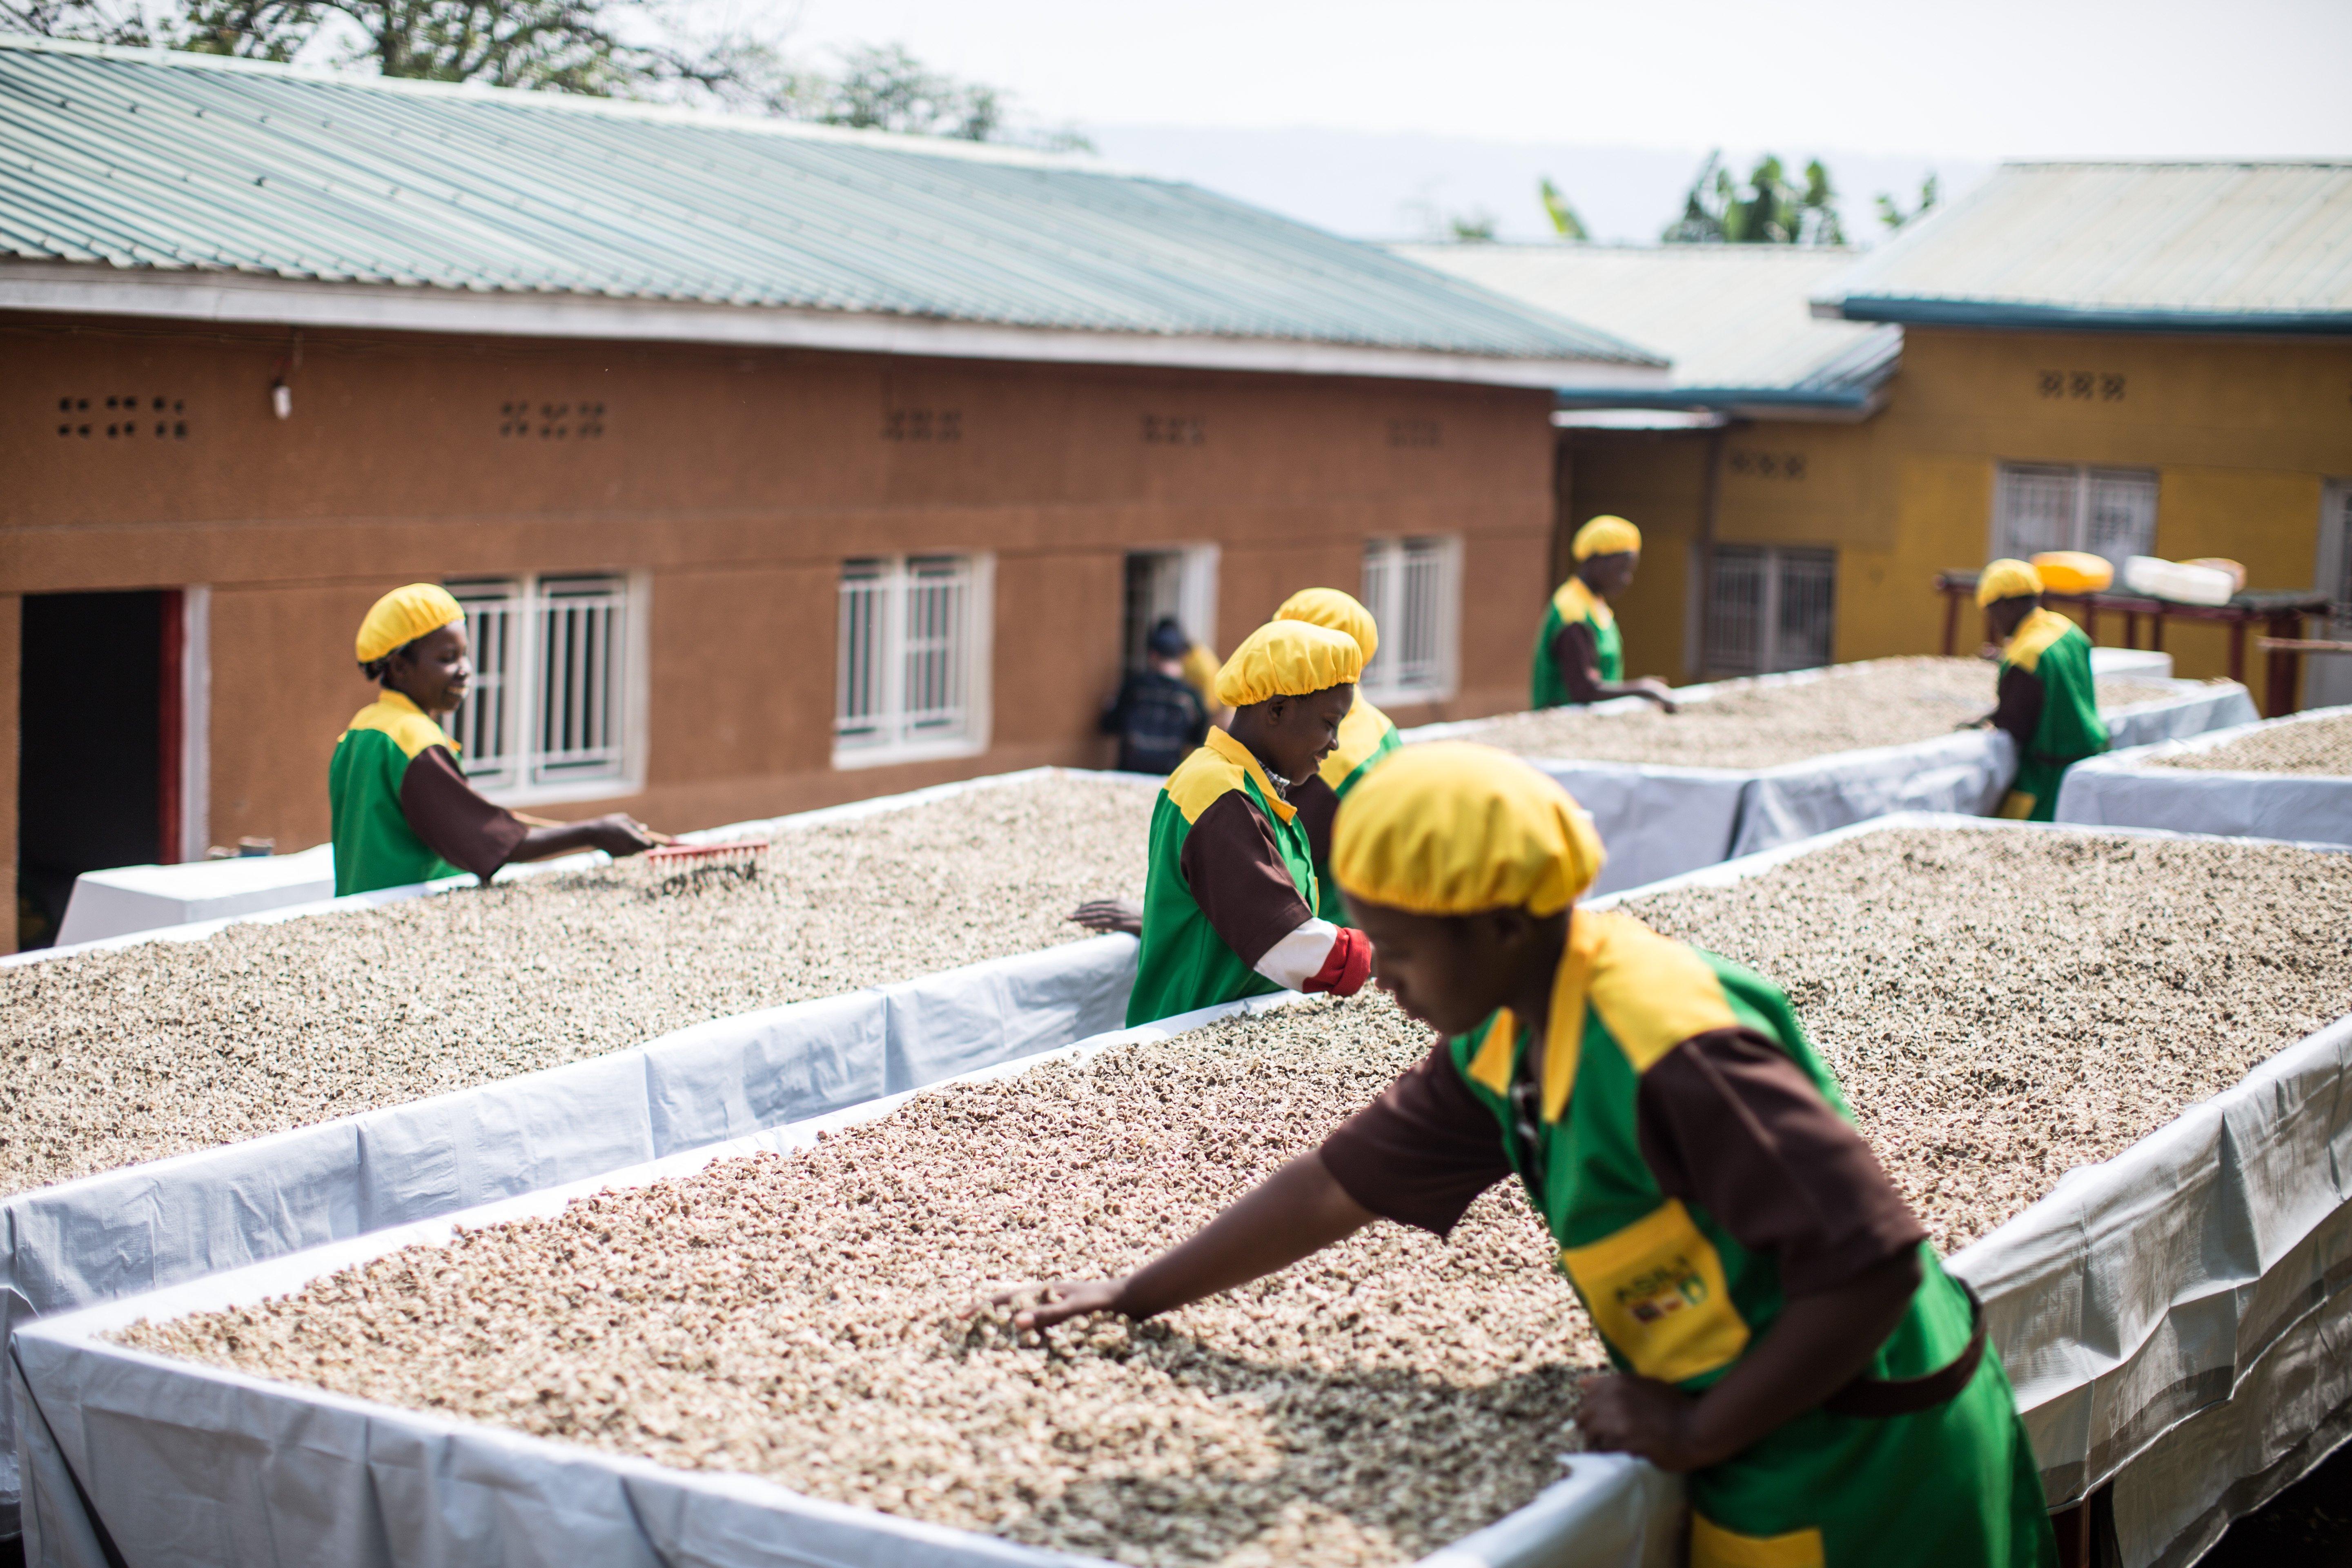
x=1769, y=609
x=908, y=659
x=2106, y=512
x=549, y=703
x=1413, y=587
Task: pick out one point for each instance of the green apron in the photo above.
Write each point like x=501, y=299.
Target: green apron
x=1185, y=963
x=1676, y=1297
x=374, y=846
x=2052, y=650
x=1547, y=688
x=1366, y=736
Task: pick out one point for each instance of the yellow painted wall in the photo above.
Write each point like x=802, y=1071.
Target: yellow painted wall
x=2241, y=434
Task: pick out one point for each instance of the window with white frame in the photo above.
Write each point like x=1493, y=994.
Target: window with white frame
x=556, y=706
x=1414, y=589
x=1769, y=609
x=2047, y=506
x=912, y=678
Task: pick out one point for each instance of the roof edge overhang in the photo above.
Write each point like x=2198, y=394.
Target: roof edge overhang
x=251, y=300
x=2016, y=316
x=1851, y=405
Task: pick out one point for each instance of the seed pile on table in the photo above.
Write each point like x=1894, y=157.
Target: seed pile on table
x=130, y=1054
x=1876, y=702
x=799, y=1318
x=2003, y=1006
x=2321, y=746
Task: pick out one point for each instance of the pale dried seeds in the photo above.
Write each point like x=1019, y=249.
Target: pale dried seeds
x=114, y=1057
x=2322, y=746
x=1878, y=703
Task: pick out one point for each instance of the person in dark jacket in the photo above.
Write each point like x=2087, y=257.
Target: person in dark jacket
x=1158, y=716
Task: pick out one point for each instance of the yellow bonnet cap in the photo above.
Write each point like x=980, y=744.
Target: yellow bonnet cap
x=404, y=615
x=1449, y=828
x=1604, y=536
x=1287, y=658
x=2006, y=579
x=1340, y=612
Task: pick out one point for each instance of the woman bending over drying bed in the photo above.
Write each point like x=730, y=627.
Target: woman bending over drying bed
x=1780, y=1330
x=402, y=810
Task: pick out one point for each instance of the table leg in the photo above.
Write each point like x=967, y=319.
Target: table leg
x=1951, y=622
x=2238, y=652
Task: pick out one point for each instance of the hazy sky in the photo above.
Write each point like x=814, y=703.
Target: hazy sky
x=1979, y=82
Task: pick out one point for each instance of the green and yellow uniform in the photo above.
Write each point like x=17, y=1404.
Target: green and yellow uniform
x=2049, y=706
x=1213, y=907
x=1577, y=613
x=1697, y=1166
x=402, y=811
x=1677, y=1298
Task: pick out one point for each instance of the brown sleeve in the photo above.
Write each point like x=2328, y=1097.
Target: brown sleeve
x=1727, y=1121
x=1317, y=805
x=2018, y=708
x=1423, y=1150
x=457, y=824
x=1238, y=879
x=1577, y=656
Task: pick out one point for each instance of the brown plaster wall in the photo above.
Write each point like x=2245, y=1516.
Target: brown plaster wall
x=738, y=482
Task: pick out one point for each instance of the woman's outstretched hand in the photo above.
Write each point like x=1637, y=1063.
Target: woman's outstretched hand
x=1059, y=1301
x=1106, y=915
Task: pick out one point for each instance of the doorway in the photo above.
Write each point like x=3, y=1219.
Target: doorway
x=98, y=744
x=1181, y=582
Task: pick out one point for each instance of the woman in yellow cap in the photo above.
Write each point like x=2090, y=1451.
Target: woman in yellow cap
x=1580, y=653
x=2047, y=701
x=402, y=810
x=1229, y=891
x=1365, y=737
x=1782, y=1333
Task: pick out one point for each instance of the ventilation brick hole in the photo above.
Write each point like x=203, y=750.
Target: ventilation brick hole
x=157, y=417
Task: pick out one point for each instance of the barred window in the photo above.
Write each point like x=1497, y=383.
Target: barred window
x=557, y=686
x=1769, y=609
x=911, y=681
x=1414, y=589
x=2047, y=506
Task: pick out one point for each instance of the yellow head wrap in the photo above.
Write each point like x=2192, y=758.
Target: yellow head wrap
x=1448, y=827
x=1606, y=536
x=1340, y=612
x=404, y=615
x=1287, y=658
x=2006, y=579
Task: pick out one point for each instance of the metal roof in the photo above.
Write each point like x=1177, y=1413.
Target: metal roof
x=2212, y=246
x=123, y=166
x=1733, y=320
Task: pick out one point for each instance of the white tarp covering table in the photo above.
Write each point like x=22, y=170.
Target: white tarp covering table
x=1661, y=821
x=2174, y=1318
x=2133, y=789
x=130, y=898
x=143, y=1226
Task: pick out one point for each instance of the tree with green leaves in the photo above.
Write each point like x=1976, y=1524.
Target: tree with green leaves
x=1769, y=209
x=1564, y=221
x=588, y=47
x=1893, y=216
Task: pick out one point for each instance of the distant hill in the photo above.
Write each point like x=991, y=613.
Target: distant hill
x=1376, y=185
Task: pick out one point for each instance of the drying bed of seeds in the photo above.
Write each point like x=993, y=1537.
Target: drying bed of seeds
x=2003, y=1006
x=1878, y=702
x=130, y=1054
x=2322, y=746
x=801, y=1318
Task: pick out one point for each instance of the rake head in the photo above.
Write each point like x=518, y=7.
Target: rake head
x=745, y=854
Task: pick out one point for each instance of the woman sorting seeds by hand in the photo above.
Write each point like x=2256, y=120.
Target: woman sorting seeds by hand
x=402, y=809
x=1780, y=1330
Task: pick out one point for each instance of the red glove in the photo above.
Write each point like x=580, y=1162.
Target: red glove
x=1347, y=968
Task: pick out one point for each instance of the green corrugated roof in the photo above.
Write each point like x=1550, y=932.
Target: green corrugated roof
x=2243, y=247
x=160, y=161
